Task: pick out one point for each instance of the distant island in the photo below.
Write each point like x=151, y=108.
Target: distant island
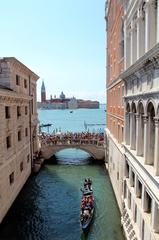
x=64, y=103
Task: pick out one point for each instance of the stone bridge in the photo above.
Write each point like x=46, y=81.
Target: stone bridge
x=94, y=147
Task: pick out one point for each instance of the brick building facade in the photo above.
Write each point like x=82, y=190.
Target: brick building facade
x=114, y=12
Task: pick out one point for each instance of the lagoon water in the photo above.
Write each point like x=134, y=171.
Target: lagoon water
x=65, y=121
x=48, y=206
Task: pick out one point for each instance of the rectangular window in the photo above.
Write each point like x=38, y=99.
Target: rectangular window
x=140, y=189
x=21, y=166
x=135, y=213
x=127, y=170
x=25, y=83
x=18, y=111
x=8, y=141
x=118, y=133
x=122, y=132
x=11, y=178
x=133, y=178
x=7, y=112
x=125, y=189
x=32, y=110
x=148, y=208
x=119, y=97
x=129, y=200
x=26, y=110
x=26, y=132
x=18, y=80
x=19, y=136
x=123, y=96
x=28, y=158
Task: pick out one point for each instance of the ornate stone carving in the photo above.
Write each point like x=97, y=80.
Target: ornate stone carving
x=145, y=118
x=156, y=119
x=155, y=61
x=154, y=4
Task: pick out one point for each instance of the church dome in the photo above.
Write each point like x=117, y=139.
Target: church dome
x=62, y=95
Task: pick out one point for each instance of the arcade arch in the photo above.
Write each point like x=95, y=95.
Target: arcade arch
x=142, y=129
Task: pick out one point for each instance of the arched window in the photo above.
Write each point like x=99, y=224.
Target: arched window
x=151, y=133
x=133, y=128
x=140, y=134
x=127, y=124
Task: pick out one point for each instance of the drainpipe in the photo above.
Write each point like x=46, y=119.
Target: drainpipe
x=30, y=112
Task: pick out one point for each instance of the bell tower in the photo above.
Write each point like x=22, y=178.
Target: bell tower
x=43, y=92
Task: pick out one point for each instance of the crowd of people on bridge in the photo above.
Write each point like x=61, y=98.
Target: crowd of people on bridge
x=72, y=138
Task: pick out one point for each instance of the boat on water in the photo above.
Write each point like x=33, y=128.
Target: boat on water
x=87, y=206
x=71, y=111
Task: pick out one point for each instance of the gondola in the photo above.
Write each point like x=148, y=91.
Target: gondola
x=87, y=208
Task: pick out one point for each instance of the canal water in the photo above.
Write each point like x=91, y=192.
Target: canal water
x=48, y=207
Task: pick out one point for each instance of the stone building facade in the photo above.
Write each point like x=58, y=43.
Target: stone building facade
x=114, y=11
x=141, y=156
x=18, y=128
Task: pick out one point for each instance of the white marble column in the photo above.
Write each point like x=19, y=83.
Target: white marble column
x=128, y=51
x=138, y=132
x=133, y=131
x=139, y=135
x=155, y=216
x=150, y=25
x=146, y=137
x=156, y=150
x=134, y=32
x=131, y=44
x=140, y=34
x=131, y=128
x=147, y=37
x=127, y=129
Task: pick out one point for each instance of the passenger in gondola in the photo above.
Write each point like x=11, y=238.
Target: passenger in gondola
x=85, y=182
x=90, y=203
x=89, y=181
x=82, y=206
x=89, y=184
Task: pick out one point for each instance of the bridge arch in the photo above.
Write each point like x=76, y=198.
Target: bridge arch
x=97, y=153
x=78, y=148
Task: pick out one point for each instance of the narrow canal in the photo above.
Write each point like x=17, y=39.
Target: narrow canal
x=48, y=206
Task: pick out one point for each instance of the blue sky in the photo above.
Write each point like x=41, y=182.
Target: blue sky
x=63, y=41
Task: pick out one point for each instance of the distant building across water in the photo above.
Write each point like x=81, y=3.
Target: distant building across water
x=64, y=103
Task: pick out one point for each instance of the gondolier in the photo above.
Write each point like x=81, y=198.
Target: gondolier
x=87, y=205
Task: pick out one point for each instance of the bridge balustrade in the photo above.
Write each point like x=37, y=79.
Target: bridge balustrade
x=50, y=141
